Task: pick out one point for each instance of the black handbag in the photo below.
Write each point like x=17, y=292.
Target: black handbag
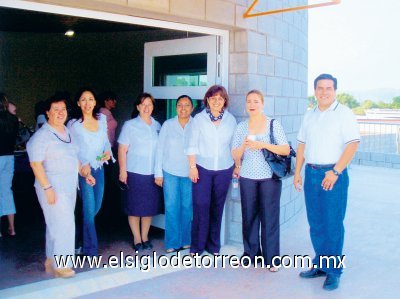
x=281, y=166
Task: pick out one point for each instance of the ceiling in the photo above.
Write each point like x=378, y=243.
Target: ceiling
x=18, y=20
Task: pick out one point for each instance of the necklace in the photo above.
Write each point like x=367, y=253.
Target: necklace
x=212, y=117
x=69, y=137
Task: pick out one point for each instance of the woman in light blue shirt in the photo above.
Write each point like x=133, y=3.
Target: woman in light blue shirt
x=90, y=132
x=53, y=155
x=172, y=173
x=210, y=168
x=136, y=155
x=259, y=192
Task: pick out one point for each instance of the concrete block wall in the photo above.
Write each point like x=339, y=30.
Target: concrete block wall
x=377, y=159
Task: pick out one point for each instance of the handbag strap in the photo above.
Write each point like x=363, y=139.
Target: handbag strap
x=271, y=131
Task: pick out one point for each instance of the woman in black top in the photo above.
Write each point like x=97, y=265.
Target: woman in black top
x=8, y=136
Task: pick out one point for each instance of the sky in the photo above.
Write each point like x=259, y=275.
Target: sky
x=358, y=42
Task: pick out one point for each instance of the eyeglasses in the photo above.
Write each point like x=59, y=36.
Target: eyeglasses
x=216, y=99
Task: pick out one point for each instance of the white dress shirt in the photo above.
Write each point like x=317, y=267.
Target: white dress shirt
x=170, y=149
x=141, y=140
x=210, y=143
x=326, y=133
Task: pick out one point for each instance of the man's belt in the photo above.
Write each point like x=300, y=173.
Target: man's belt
x=320, y=166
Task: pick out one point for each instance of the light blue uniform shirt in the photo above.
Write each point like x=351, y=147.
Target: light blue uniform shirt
x=170, y=149
x=141, y=140
x=91, y=144
x=59, y=159
x=210, y=143
x=254, y=165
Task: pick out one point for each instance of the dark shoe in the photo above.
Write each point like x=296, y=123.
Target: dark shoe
x=138, y=247
x=245, y=261
x=313, y=273
x=331, y=282
x=147, y=245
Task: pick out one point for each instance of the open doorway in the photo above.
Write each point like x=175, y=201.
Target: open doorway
x=107, y=52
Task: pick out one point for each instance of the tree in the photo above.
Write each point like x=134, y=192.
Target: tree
x=396, y=102
x=368, y=104
x=348, y=100
x=312, y=102
x=359, y=110
x=383, y=105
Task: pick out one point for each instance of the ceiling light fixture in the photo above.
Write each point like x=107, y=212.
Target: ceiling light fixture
x=69, y=33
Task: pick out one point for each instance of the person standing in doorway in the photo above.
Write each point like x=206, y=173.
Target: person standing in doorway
x=328, y=139
x=136, y=155
x=8, y=137
x=89, y=130
x=109, y=102
x=208, y=147
x=172, y=173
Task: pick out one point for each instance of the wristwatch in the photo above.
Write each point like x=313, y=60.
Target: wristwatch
x=335, y=172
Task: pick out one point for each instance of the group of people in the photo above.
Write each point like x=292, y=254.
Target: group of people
x=191, y=161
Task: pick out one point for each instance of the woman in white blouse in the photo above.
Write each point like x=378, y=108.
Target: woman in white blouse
x=136, y=155
x=172, y=173
x=259, y=192
x=90, y=132
x=210, y=168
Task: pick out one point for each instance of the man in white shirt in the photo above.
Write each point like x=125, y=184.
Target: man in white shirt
x=328, y=139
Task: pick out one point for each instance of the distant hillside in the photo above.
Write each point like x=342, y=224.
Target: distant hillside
x=382, y=94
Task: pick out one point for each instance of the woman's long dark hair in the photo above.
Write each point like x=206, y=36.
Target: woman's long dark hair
x=95, y=113
x=8, y=122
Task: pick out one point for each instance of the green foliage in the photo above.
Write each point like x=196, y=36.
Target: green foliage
x=396, y=102
x=312, y=102
x=348, y=100
x=368, y=104
x=383, y=105
x=359, y=110
x=352, y=103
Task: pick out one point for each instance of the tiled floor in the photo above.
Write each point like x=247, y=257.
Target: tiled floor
x=372, y=249
x=22, y=256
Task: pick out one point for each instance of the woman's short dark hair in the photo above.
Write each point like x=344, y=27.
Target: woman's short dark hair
x=106, y=96
x=213, y=90
x=182, y=97
x=3, y=102
x=58, y=97
x=325, y=77
x=139, y=100
x=141, y=97
x=8, y=122
x=95, y=112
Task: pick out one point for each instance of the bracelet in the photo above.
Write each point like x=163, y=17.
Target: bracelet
x=47, y=187
x=193, y=166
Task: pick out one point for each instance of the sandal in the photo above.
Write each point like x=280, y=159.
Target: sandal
x=11, y=233
x=273, y=269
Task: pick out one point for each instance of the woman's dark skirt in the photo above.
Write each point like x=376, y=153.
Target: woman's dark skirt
x=143, y=197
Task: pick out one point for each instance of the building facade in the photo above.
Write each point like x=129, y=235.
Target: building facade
x=268, y=53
